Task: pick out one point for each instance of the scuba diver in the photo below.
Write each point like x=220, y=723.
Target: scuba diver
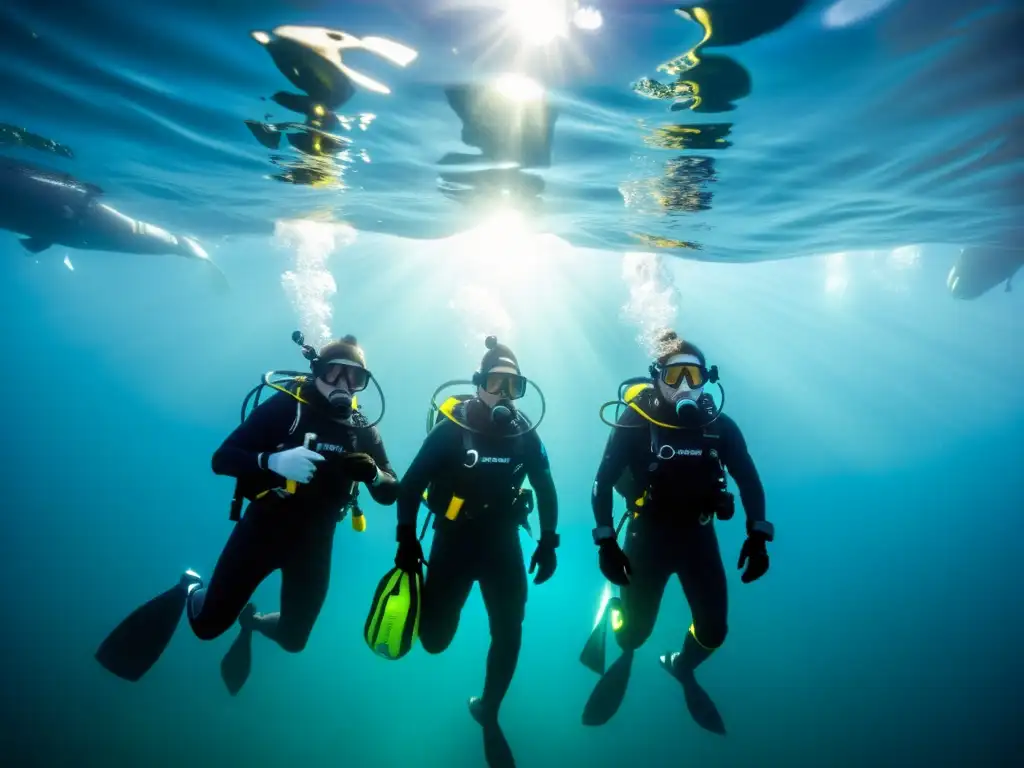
x=299, y=458
x=667, y=455
x=470, y=470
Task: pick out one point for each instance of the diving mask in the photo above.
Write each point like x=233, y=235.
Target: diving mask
x=693, y=374
x=511, y=386
x=346, y=377
x=334, y=372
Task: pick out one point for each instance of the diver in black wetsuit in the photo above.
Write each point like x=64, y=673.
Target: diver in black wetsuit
x=474, y=462
x=668, y=456
x=298, y=458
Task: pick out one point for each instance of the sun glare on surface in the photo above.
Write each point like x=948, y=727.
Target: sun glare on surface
x=538, y=21
x=521, y=33
x=518, y=88
x=502, y=271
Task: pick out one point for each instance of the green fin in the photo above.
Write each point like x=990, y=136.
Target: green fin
x=137, y=643
x=393, y=623
x=34, y=245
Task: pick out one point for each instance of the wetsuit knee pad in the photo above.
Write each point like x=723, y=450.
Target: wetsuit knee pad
x=630, y=633
x=710, y=636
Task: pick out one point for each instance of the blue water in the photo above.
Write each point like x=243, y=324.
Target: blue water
x=886, y=420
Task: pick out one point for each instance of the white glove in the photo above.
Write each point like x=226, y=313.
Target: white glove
x=295, y=464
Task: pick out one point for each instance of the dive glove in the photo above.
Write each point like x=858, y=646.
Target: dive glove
x=755, y=555
x=359, y=466
x=295, y=464
x=614, y=563
x=544, y=557
x=410, y=554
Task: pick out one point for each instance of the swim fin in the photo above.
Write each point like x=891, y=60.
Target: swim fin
x=237, y=662
x=136, y=644
x=702, y=708
x=34, y=245
x=497, y=751
x=593, y=653
x=393, y=623
x=607, y=696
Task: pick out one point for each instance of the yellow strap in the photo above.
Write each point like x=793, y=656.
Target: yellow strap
x=297, y=394
x=631, y=395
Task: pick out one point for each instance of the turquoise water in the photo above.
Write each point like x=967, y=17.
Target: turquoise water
x=886, y=419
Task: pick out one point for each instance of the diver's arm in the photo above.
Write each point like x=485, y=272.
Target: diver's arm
x=384, y=489
x=429, y=460
x=247, y=450
x=539, y=471
x=613, y=464
x=737, y=460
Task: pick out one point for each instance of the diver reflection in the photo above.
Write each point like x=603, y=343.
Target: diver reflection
x=680, y=190
x=703, y=136
x=509, y=120
x=509, y=186
x=512, y=123
x=311, y=59
x=735, y=22
x=713, y=84
x=709, y=82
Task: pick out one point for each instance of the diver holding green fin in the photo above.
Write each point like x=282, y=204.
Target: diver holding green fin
x=668, y=455
x=299, y=458
x=470, y=470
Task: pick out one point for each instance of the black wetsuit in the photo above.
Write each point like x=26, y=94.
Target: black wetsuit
x=292, y=532
x=673, y=532
x=481, y=544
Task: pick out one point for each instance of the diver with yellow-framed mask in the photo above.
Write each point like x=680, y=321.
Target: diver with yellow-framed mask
x=299, y=459
x=668, y=455
x=469, y=472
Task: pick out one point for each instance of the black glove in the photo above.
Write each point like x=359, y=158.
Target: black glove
x=755, y=554
x=544, y=557
x=410, y=554
x=359, y=466
x=614, y=563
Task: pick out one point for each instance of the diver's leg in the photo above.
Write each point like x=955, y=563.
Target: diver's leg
x=503, y=586
x=633, y=618
x=702, y=575
x=640, y=600
x=247, y=559
x=446, y=588
x=305, y=578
